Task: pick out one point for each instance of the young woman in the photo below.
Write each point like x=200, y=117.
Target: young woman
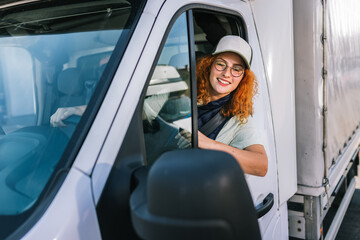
x=226, y=85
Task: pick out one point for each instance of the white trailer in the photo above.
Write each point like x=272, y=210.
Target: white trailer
x=327, y=119
x=117, y=171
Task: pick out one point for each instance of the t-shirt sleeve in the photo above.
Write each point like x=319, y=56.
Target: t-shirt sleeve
x=246, y=135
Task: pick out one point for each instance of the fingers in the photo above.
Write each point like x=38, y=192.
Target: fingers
x=185, y=133
x=177, y=136
x=61, y=114
x=183, y=143
x=184, y=139
x=56, y=120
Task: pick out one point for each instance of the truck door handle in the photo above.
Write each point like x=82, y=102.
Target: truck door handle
x=265, y=206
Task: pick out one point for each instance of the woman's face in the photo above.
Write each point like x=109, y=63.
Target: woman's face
x=223, y=82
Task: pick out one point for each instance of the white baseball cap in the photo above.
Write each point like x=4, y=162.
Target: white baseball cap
x=236, y=44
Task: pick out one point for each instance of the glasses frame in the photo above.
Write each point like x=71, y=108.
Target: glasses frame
x=226, y=66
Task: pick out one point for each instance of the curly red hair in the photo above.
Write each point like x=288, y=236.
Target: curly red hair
x=241, y=103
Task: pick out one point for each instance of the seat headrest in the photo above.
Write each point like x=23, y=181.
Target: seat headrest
x=69, y=82
x=180, y=60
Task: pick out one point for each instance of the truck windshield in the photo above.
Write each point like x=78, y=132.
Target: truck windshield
x=52, y=55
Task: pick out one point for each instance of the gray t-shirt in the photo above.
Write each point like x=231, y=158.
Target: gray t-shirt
x=239, y=135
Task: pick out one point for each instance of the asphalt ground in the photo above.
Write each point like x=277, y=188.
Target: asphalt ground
x=350, y=228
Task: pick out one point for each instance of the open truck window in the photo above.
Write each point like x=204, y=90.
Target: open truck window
x=52, y=55
x=167, y=107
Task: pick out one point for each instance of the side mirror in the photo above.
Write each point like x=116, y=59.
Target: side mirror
x=193, y=194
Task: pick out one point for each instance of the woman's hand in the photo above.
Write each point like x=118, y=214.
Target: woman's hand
x=184, y=138
x=56, y=120
x=205, y=142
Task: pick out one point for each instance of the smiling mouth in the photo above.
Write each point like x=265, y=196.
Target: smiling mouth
x=223, y=82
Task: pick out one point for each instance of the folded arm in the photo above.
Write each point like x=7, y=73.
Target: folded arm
x=253, y=159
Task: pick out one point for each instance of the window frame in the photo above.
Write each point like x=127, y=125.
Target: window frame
x=188, y=9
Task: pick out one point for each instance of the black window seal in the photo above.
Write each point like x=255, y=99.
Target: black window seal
x=194, y=114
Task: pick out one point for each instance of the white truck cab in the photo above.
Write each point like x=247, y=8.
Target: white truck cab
x=117, y=170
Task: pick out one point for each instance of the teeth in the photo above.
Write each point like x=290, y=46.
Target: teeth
x=223, y=82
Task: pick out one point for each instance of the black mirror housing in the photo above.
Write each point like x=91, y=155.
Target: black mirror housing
x=193, y=194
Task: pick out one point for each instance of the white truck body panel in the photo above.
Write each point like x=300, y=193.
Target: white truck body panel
x=309, y=122
x=342, y=54
x=275, y=33
x=342, y=117
x=71, y=214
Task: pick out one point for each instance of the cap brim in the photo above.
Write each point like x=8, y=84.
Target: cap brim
x=242, y=56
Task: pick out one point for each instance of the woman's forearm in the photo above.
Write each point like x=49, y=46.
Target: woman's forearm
x=253, y=159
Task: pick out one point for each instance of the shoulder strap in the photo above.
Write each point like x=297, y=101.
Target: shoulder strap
x=212, y=124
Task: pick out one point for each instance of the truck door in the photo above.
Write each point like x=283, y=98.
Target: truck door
x=165, y=117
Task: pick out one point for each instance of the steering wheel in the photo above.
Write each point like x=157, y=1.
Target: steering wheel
x=73, y=119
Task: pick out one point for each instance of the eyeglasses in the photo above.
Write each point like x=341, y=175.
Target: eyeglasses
x=236, y=71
